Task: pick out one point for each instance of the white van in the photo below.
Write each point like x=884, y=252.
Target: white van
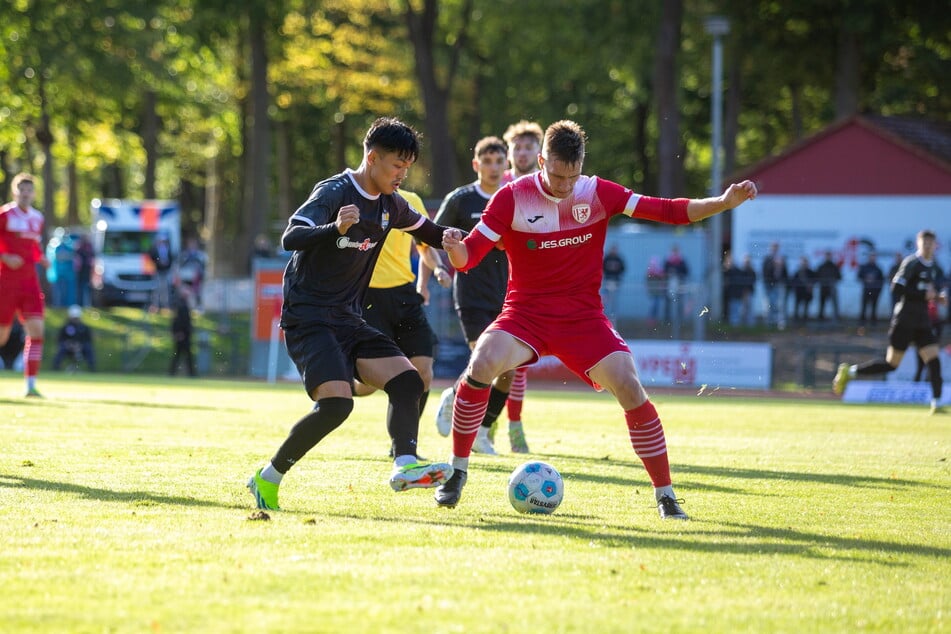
x=123, y=232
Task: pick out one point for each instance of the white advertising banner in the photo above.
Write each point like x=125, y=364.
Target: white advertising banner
x=703, y=363
x=893, y=392
x=706, y=364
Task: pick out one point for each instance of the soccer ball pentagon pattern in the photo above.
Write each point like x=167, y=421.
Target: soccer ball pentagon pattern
x=536, y=487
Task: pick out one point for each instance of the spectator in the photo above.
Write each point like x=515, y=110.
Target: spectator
x=191, y=270
x=676, y=270
x=75, y=341
x=775, y=279
x=262, y=247
x=613, y=269
x=656, y=288
x=61, y=274
x=182, y=336
x=802, y=283
x=83, y=261
x=733, y=289
x=162, y=258
x=873, y=280
x=828, y=275
x=749, y=287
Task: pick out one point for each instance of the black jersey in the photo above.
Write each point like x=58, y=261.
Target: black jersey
x=328, y=273
x=911, y=282
x=483, y=286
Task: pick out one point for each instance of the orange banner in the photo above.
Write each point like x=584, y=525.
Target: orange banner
x=268, y=300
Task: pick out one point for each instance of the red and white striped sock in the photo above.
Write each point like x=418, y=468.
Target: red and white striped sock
x=517, y=394
x=32, y=355
x=468, y=410
x=649, y=443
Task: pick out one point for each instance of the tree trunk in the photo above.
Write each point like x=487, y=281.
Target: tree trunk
x=847, y=73
x=149, y=132
x=212, y=207
x=283, y=156
x=258, y=154
x=421, y=28
x=670, y=163
x=44, y=134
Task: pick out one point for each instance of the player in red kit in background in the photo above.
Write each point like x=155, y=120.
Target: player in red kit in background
x=553, y=225
x=21, y=231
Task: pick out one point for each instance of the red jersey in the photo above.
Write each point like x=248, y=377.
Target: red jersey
x=20, y=233
x=556, y=246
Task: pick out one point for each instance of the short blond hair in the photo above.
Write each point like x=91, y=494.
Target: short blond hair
x=19, y=179
x=523, y=128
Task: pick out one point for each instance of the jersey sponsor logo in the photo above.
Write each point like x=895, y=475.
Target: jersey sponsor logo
x=534, y=219
x=555, y=244
x=343, y=242
x=581, y=213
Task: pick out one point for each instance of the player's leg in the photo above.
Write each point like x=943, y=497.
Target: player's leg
x=514, y=407
x=618, y=374
x=32, y=351
x=899, y=338
x=495, y=353
x=928, y=354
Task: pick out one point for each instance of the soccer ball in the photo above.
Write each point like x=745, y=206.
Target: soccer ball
x=536, y=487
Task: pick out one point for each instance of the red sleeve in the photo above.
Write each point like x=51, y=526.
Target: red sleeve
x=477, y=245
x=671, y=211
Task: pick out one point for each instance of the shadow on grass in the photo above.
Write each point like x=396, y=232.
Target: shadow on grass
x=107, y=495
x=735, y=538
x=147, y=404
x=871, y=482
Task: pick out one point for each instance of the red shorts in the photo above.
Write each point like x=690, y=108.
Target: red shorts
x=579, y=342
x=21, y=295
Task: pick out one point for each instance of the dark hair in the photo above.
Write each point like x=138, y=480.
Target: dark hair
x=388, y=134
x=490, y=144
x=22, y=177
x=564, y=141
x=927, y=233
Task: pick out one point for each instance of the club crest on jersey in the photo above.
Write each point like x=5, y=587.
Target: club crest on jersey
x=581, y=213
x=385, y=222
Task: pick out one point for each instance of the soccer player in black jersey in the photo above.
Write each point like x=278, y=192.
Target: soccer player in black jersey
x=479, y=294
x=335, y=238
x=919, y=280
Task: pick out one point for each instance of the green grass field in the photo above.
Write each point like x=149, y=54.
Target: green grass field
x=123, y=509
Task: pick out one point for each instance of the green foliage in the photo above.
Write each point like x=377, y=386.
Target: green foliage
x=123, y=509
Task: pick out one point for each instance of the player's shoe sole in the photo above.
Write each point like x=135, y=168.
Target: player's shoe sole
x=264, y=492
x=420, y=476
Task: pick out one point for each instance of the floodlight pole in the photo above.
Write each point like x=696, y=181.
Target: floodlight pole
x=717, y=26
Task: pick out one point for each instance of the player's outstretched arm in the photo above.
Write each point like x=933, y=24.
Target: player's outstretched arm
x=455, y=249
x=734, y=196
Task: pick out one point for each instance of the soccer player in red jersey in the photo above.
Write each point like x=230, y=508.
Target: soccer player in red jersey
x=524, y=140
x=21, y=231
x=553, y=225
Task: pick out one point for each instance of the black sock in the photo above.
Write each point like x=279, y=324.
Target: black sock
x=326, y=416
x=402, y=416
x=422, y=402
x=934, y=369
x=497, y=400
x=874, y=367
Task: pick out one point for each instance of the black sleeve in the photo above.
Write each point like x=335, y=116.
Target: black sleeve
x=299, y=235
x=429, y=233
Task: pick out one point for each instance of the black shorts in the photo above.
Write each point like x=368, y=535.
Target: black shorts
x=901, y=336
x=329, y=353
x=474, y=321
x=398, y=313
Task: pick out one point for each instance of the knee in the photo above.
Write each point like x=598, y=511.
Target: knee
x=407, y=385
x=334, y=409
